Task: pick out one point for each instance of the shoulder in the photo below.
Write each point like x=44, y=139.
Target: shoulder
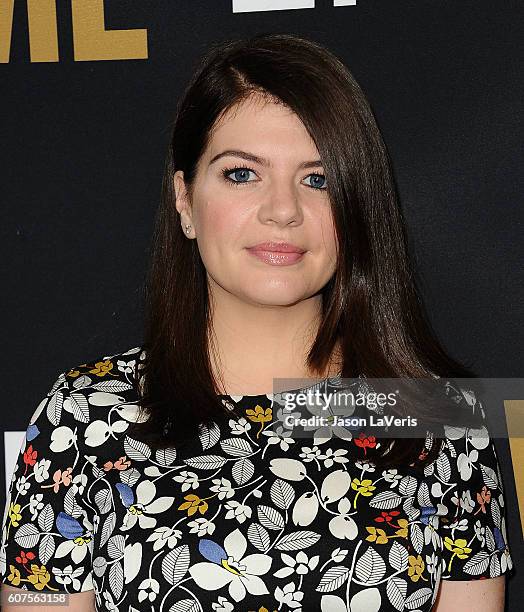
x=85, y=394
x=117, y=368
x=468, y=490
x=465, y=448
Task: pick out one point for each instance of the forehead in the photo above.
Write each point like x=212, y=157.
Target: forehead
x=259, y=121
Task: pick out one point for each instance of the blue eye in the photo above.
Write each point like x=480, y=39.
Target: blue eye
x=241, y=176
x=239, y=173
x=318, y=184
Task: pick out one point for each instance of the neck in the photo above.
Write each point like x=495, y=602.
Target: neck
x=253, y=344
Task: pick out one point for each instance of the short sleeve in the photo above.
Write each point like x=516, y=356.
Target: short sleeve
x=473, y=532
x=47, y=528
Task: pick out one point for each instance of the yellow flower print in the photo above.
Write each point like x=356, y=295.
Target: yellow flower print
x=102, y=368
x=14, y=514
x=259, y=415
x=39, y=576
x=458, y=548
x=363, y=487
x=377, y=535
x=403, y=531
x=14, y=576
x=194, y=503
x=74, y=373
x=416, y=567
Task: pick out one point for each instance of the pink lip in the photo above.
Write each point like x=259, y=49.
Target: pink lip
x=277, y=247
x=277, y=254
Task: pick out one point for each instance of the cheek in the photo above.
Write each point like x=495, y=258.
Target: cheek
x=218, y=226
x=211, y=216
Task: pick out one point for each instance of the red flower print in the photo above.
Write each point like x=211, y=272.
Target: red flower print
x=60, y=477
x=25, y=557
x=364, y=441
x=120, y=464
x=387, y=516
x=483, y=498
x=30, y=455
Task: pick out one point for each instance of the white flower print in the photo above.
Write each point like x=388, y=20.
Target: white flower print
x=236, y=510
x=145, y=504
x=480, y=532
x=459, y=525
x=242, y=574
x=223, y=605
x=78, y=549
x=279, y=436
x=189, y=480
x=239, y=427
x=465, y=501
x=35, y=505
x=109, y=602
x=505, y=561
x=339, y=554
x=343, y=526
x=331, y=457
x=201, y=526
x=97, y=432
x=164, y=535
x=223, y=487
x=69, y=576
x=431, y=562
x=62, y=438
x=126, y=366
x=465, y=463
x=79, y=483
x=479, y=438
x=305, y=509
x=148, y=589
x=432, y=536
x=22, y=486
x=366, y=466
x=296, y=565
x=392, y=476
x=290, y=596
x=309, y=454
x=41, y=470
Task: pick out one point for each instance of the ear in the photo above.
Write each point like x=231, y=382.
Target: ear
x=181, y=199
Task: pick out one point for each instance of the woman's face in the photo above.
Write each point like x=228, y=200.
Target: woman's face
x=260, y=179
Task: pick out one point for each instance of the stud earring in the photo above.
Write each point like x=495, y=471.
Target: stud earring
x=188, y=229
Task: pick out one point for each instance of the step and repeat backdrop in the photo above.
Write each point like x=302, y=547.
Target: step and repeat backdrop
x=88, y=90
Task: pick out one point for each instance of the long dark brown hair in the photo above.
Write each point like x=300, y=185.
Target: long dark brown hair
x=370, y=305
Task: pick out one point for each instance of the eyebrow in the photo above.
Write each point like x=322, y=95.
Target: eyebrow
x=259, y=160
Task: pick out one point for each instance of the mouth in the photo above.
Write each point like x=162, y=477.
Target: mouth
x=277, y=254
x=277, y=247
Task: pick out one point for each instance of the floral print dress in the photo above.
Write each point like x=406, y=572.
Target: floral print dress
x=246, y=518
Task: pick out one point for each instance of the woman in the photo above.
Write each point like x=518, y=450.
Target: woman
x=163, y=478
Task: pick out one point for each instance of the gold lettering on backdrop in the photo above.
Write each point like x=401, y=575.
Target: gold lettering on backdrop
x=91, y=40
x=514, y=421
x=43, y=35
x=6, y=27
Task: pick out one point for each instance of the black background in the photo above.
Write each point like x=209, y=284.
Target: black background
x=82, y=152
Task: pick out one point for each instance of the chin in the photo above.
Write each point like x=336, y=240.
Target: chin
x=275, y=296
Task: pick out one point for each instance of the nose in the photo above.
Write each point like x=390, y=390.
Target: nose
x=281, y=204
